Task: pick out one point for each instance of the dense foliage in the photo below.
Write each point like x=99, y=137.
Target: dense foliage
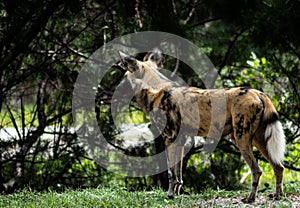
x=44, y=43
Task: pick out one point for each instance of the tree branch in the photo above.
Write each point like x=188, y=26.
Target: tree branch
x=29, y=32
x=226, y=57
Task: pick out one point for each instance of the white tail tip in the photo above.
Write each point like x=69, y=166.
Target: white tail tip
x=276, y=141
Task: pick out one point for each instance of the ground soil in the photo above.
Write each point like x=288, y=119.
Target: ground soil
x=261, y=201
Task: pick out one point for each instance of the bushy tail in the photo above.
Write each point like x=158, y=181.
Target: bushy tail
x=276, y=141
x=274, y=133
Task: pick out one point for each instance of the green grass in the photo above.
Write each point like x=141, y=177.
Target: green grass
x=121, y=197
x=100, y=197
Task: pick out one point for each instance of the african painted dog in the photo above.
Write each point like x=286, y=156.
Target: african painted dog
x=249, y=117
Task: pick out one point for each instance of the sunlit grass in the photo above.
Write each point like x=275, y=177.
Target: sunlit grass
x=116, y=196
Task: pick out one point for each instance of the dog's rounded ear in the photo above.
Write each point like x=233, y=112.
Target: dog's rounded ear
x=155, y=56
x=129, y=63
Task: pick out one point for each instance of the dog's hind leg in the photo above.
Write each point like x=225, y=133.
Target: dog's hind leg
x=242, y=135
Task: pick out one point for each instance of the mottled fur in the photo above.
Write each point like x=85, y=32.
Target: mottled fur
x=250, y=118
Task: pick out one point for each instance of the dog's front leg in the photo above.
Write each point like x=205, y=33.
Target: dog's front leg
x=178, y=168
x=175, y=159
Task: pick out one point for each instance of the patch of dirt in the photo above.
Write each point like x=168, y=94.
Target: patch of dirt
x=290, y=200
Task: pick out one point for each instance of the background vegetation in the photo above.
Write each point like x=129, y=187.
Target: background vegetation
x=44, y=43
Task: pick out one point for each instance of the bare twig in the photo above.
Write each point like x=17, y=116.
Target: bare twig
x=190, y=15
x=205, y=21
x=176, y=68
x=138, y=15
x=174, y=7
